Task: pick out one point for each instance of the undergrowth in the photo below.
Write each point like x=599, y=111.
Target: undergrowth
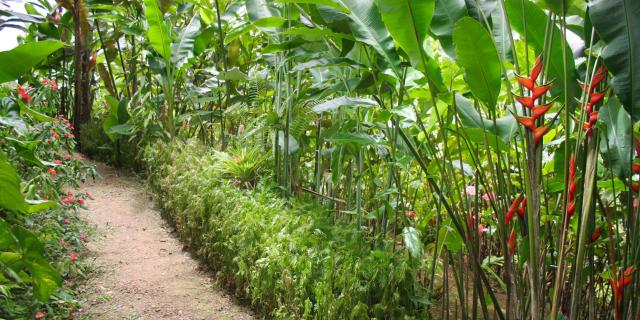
x=291, y=261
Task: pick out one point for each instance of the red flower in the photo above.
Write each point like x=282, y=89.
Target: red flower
x=23, y=93
x=635, y=167
x=52, y=172
x=73, y=256
x=81, y=202
x=512, y=242
x=57, y=161
x=594, y=99
x=596, y=233
x=635, y=186
x=512, y=210
x=40, y=315
x=54, y=85
x=539, y=133
x=83, y=236
x=573, y=186
x=67, y=220
x=536, y=92
x=523, y=208
x=623, y=281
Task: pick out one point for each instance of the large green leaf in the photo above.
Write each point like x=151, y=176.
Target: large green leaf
x=536, y=23
x=261, y=9
x=477, y=54
x=617, y=22
x=157, y=31
x=46, y=280
x=22, y=58
x=446, y=14
x=117, y=117
x=336, y=103
x=505, y=127
x=616, y=138
x=411, y=237
x=500, y=32
x=408, y=23
x=11, y=197
x=367, y=27
x=328, y=3
x=357, y=139
x=183, y=49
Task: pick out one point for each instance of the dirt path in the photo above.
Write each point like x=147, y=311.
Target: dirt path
x=143, y=272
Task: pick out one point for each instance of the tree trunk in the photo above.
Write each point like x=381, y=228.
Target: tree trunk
x=82, y=68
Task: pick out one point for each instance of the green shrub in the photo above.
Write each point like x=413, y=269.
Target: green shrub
x=96, y=144
x=290, y=262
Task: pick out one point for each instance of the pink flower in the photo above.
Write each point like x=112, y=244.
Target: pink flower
x=481, y=228
x=636, y=202
x=80, y=201
x=57, y=161
x=83, y=236
x=40, y=315
x=54, y=85
x=470, y=190
x=73, y=256
x=67, y=220
x=488, y=197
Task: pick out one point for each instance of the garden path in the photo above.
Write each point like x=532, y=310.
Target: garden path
x=143, y=271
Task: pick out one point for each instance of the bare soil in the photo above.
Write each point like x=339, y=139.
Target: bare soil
x=142, y=270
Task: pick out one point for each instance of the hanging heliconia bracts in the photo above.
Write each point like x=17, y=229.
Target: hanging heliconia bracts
x=593, y=99
x=536, y=93
x=573, y=186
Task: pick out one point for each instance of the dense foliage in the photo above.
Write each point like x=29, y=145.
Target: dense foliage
x=387, y=158
x=42, y=236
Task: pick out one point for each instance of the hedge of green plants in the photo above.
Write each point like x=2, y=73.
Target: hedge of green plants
x=288, y=260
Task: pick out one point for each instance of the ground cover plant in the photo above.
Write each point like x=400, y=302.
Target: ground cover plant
x=385, y=159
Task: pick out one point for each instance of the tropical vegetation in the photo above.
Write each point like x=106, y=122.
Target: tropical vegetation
x=343, y=159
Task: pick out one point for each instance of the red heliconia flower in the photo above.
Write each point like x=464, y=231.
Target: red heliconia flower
x=540, y=110
x=572, y=167
x=522, y=210
x=624, y=280
x=596, y=233
x=512, y=210
x=527, y=122
x=40, y=315
x=536, y=92
x=593, y=118
x=528, y=102
x=530, y=83
x=635, y=167
x=23, y=93
x=512, y=242
x=539, y=132
x=594, y=99
x=573, y=186
x=571, y=209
